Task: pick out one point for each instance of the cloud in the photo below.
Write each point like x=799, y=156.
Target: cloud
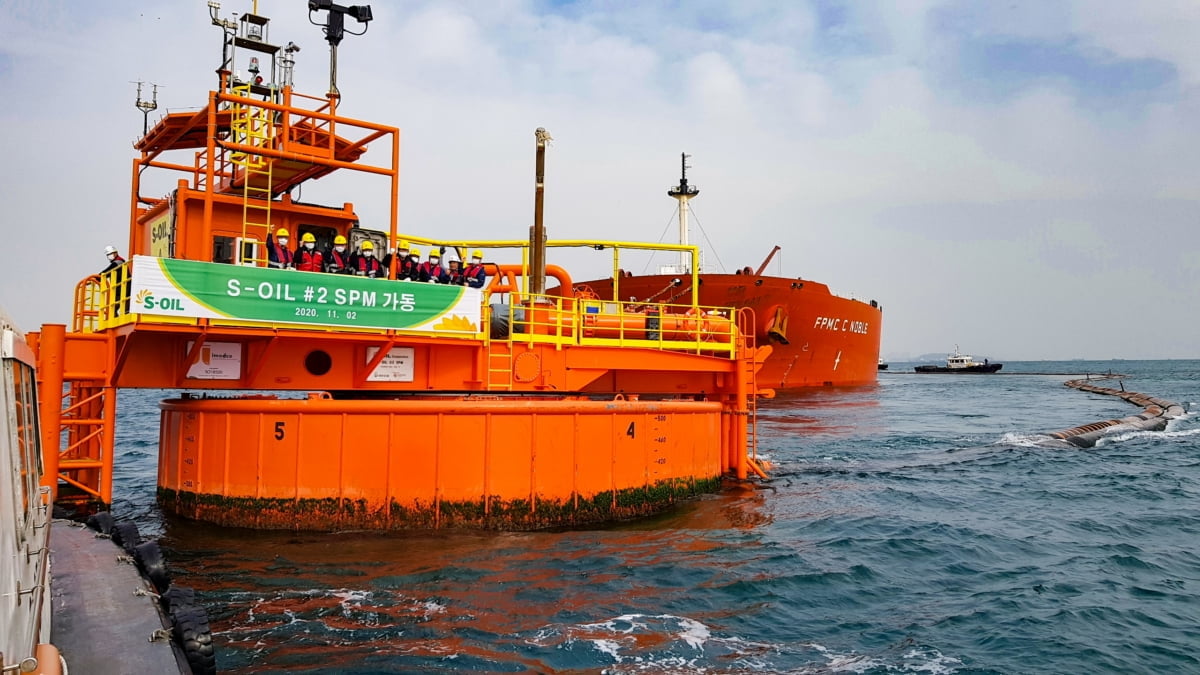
x=1038, y=155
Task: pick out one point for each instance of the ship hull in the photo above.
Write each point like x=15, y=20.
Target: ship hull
x=818, y=339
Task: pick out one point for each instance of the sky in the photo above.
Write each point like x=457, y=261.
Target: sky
x=1017, y=178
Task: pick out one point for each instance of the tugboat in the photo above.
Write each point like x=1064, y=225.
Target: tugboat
x=69, y=598
x=392, y=404
x=818, y=339
x=961, y=363
x=25, y=642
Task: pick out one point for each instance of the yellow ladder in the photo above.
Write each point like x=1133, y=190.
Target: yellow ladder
x=251, y=125
x=499, y=366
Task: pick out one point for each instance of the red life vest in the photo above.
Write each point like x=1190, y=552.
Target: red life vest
x=337, y=260
x=430, y=271
x=282, y=256
x=308, y=261
x=475, y=275
x=368, y=265
x=406, y=269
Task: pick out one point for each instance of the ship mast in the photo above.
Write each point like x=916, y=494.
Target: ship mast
x=683, y=192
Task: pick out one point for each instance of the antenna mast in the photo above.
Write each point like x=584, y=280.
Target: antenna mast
x=146, y=106
x=683, y=192
x=335, y=30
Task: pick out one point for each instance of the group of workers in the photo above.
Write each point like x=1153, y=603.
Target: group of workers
x=365, y=263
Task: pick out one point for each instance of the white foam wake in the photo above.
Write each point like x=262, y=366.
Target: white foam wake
x=1015, y=439
x=1130, y=435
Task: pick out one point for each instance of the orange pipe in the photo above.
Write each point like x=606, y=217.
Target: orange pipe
x=710, y=328
x=108, y=443
x=50, y=349
x=504, y=278
x=758, y=470
x=741, y=416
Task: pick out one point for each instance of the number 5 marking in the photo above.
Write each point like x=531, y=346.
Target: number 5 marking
x=279, y=426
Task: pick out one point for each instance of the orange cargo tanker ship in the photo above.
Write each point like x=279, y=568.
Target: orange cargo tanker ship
x=818, y=338
x=381, y=402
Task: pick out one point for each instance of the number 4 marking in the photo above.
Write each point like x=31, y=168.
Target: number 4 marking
x=629, y=431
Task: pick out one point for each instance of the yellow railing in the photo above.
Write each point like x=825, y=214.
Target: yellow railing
x=88, y=302
x=548, y=319
x=113, y=304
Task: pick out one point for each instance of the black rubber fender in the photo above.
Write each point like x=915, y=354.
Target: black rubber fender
x=125, y=534
x=177, y=595
x=189, y=627
x=149, y=558
x=101, y=521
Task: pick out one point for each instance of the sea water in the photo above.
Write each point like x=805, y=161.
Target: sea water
x=920, y=525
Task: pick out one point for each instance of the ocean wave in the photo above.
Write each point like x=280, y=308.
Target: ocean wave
x=1123, y=435
x=1020, y=440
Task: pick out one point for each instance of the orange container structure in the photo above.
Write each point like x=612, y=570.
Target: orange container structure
x=391, y=403
x=455, y=462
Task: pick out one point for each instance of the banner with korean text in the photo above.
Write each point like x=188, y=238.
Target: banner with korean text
x=192, y=289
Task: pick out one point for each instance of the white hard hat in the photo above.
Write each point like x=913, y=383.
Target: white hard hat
x=109, y=250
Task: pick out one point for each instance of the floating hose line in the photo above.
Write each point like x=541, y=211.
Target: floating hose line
x=1156, y=412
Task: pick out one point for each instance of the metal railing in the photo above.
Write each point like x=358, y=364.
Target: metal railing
x=561, y=321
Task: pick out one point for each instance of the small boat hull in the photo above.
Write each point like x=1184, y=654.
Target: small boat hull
x=977, y=369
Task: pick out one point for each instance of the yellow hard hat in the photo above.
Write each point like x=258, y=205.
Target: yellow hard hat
x=414, y=251
x=307, y=237
x=403, y=245
x=339, y=239
x=368, y=246
x=477, y=254
x=281, y=232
